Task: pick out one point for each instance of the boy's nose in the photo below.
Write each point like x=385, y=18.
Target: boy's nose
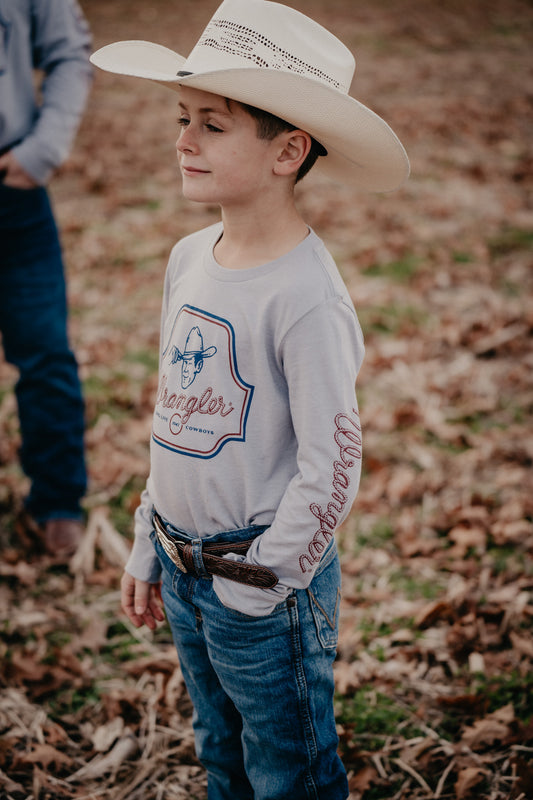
x=186, y=141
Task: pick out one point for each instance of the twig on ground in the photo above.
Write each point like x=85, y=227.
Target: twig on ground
x=411, y=771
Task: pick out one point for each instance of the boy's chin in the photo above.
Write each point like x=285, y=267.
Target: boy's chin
x=195, y=193
x=196, y=198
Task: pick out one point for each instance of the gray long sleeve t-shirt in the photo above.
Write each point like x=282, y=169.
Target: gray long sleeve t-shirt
x=52, y=36
x=256, y=418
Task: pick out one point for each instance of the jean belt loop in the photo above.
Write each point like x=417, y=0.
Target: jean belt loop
x=198, y=560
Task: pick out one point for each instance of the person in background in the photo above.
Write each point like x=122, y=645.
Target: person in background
x=37, y=129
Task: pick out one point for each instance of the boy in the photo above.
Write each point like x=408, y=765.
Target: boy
x=256, y=446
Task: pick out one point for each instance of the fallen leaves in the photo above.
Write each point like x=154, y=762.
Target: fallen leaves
x=437, y=553
x=492, y=728
x=468, y=779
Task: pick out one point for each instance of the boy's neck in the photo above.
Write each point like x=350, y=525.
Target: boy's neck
x=253, y=239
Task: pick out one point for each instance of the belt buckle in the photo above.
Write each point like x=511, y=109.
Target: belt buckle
x=168, y=546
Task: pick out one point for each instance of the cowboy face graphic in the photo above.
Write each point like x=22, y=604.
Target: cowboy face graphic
x=192, y=358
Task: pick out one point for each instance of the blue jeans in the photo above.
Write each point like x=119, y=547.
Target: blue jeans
x=261, y=687
x=33, y=323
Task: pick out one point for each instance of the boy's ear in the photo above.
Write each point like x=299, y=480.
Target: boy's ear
x=295, y=149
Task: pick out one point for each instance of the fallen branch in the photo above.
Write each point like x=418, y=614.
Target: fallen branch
x=411, y=771
x=125, y=748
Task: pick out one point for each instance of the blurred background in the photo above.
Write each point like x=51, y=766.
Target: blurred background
x=434, y=671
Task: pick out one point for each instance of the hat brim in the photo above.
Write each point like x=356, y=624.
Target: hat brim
x=361, y=146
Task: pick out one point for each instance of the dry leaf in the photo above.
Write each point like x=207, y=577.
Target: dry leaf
x=468, y=779
x=466, y=538
x=493, y=728
x=433, y=612
x=45, y=755
x=363, y=779
x=522, y=643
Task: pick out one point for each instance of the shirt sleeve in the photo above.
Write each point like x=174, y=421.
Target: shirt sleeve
x=143, y=563
x=61, y=44
x=321, y=355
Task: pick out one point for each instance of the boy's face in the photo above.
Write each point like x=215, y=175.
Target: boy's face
x=221, y=158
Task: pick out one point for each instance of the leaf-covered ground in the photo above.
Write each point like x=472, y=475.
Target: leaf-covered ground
x=434, y=672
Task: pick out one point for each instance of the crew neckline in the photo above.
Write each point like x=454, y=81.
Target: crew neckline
x=221, y=273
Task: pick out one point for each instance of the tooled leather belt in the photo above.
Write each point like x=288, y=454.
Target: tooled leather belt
x=214, y=563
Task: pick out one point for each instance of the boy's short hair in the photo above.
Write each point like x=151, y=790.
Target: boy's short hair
x=269, y=126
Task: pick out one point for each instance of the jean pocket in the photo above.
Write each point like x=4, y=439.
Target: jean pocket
x=324, y=594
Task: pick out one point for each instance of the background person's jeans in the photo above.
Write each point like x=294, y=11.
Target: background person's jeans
x=33, y=324
x=262, y=687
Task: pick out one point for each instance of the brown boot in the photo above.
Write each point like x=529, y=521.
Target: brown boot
x=62, y=537
x=58, y=537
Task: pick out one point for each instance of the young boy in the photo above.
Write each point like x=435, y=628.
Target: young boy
x=256, y=442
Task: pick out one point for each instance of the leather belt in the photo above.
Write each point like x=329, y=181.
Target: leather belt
x=182, y=555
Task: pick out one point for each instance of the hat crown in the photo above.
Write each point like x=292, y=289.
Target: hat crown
x=195, y=341
x=262, y=34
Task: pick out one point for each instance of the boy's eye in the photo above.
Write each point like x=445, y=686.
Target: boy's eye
x=183, y=122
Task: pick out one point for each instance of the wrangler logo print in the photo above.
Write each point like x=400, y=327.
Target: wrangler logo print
x=347, y=438
x=202, y=402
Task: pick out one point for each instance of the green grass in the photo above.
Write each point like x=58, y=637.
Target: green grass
x=71, y=701
x=502, y=690
x=414, y=588
x=510, y=240
x=392, y=320
x=381, y=535
x=120, y=650
x=372, y=717
x=462, y=258
x=58, y=638
x=371, y=630
x=400, y=271
x=504, y=557
x=146, y=358
x=455, y=447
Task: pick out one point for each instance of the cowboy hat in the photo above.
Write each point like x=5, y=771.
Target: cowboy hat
x=273, y=57
x=194, y=346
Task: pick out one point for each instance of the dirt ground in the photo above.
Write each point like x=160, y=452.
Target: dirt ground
x=434, y=671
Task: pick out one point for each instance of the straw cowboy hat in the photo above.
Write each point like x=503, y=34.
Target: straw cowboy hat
x=275, y=58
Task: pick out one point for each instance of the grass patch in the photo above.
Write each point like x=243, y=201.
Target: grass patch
x=71, y=701
x=115, y=394
x=58, y=638
x=98, y=393
x=392, y=320
x=414, y=588
x=456, y=447
x=146, y=358
x=509, y=240
x=503, y=558
x=371, y=717
x=502, y=690
x=371, y=630
x=462, y=258
x=380, y=536
x=121, y=649
x=400, y=271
